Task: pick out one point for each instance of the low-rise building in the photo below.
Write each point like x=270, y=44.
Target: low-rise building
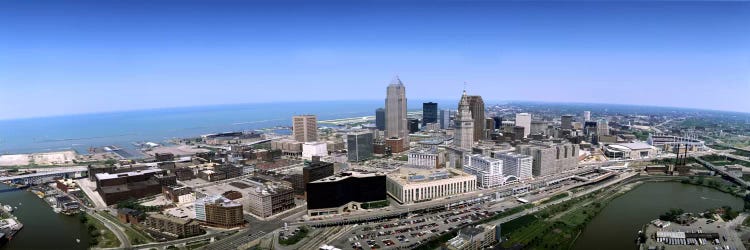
x=474, y=238
x=127, y=215
x=179, y=194
x=172, y=226
x=635, y=150
x=408, y=185
x=66, y=185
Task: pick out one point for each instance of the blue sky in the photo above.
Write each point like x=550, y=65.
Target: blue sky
x=69, y=57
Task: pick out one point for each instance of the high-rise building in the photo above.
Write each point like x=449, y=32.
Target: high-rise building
x=269, y=200
x=219, y=211
x=359, y=146
x=395, y=111
x=463, y=136
x=413, y=125
x=476, y=104
x=517, y=165
x=445, y=118
x=305, y=128
x=524, y=120
x=380, y=119
x=586, y=116
x=489, y=125
x=566, y=122
x=538, y=127
x=602, y=127
x=550, y=157
x=429, y=113
x=498, y=122
x=316, y=170
x=489, y=171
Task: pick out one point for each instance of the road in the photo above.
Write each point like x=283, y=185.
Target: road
x=116, y=229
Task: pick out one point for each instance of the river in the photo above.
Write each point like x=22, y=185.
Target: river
x=43, y=228
x=616, y=226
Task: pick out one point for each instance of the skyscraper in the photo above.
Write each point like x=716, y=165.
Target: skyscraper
x=602, y=127
x=359, y=146
x=395, y=111
x=429, y=113
x=566, y=122
x=305, y=128
x=380, y=119
x=413, y=125
x=586, y=116
x=524, y=120
x=445, y=118
x=464, y=131
x=498, y=122
x=476, y=104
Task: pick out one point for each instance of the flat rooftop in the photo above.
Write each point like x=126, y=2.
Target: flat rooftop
x=403, y=174
x=105, y=176
x=352, y=174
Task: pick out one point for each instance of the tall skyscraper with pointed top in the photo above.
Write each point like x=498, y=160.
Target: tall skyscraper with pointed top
x=463, y=136
x=395, y=111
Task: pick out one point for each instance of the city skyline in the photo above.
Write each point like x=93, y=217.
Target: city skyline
x=66, y=58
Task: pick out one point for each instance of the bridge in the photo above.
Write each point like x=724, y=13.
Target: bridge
x=46, y=176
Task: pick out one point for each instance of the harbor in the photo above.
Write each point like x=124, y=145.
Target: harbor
x=37, y=220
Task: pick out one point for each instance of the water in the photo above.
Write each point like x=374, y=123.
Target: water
x=43, y=228
x=615, y=228
x=79, y=132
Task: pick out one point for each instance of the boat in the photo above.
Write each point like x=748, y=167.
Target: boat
x=78, y=240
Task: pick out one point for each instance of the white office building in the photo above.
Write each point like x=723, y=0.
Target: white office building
x=524, y=120
x=310, y=149
x=517, y=165
x=489, y=171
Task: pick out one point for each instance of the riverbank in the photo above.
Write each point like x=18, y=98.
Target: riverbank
x=569, y=220
x=617, y=223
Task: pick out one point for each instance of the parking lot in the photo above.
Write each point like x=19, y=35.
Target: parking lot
x=405, y=233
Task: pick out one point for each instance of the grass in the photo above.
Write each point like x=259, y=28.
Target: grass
x=103, y=237
x=136, y=236
x=554, y=198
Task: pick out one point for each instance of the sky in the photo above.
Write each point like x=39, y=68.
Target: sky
x=72, y=57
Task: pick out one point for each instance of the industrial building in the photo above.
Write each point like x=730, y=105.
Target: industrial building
x=408, y=185
x=128, y=185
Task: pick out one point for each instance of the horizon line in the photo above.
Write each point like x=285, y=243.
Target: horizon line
x=488, y=102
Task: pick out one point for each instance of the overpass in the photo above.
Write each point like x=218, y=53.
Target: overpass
x=722, y=172
x=46, y=176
